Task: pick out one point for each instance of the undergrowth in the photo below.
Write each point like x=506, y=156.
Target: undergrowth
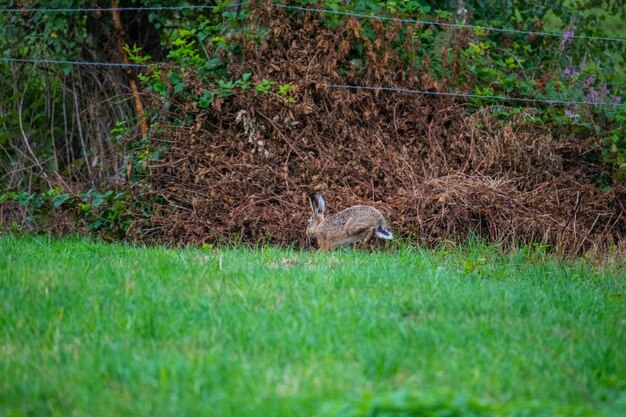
x=240, y=123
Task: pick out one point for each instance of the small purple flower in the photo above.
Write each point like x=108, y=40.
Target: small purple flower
x=617, y=99
x=593, y=96
x=567, y=36
x=589, y=81
x=570, y=72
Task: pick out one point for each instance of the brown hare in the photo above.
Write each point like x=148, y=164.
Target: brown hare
x=348, y=226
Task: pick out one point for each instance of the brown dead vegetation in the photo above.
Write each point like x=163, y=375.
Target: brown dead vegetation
x=244, y=168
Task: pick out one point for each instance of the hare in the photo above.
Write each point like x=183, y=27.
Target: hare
x=348, y=226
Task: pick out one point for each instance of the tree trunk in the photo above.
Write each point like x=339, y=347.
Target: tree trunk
x=132, y=79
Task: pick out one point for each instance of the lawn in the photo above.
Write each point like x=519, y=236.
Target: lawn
x=96, y=329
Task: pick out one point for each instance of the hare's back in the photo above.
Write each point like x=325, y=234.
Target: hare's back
x=362, y=213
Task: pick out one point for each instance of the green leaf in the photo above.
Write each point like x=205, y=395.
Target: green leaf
x=206, y=99
x=58, y=201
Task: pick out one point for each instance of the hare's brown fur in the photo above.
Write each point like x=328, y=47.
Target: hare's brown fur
x=356, y=223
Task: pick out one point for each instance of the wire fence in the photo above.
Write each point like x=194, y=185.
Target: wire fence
x=449, y=25
x=110, y=9
x=467, y=95
x=345, y=86
x=86, y=63
x=317, y=10
x=325, y=11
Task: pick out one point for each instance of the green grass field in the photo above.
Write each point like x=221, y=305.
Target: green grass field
x=93, y=329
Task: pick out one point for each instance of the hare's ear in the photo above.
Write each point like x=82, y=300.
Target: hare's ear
x=313, y=203
x=321, y=204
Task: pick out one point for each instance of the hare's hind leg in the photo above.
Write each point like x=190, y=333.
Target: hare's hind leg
x=369, y=236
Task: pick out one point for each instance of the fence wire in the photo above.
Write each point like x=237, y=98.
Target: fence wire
x=340, y=86
x=324, y=11
x=315, y=10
